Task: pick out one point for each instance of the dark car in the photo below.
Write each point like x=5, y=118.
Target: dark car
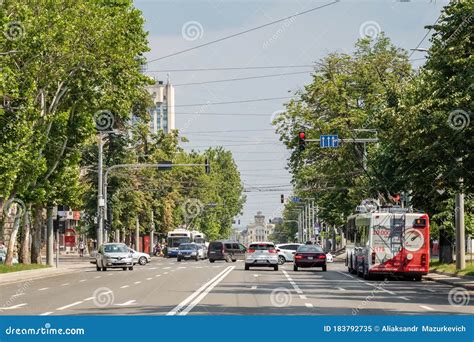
x=309, y=256
x=188, y=251
x=226, y=250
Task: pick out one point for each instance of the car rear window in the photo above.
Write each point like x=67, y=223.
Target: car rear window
x=262, y=246
x=310, y=249
x=214, y=246
x=228, y=246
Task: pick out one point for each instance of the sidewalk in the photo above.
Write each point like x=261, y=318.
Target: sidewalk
x=65, y=267
x=452, y=279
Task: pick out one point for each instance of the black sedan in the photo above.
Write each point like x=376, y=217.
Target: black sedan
x=309, y=256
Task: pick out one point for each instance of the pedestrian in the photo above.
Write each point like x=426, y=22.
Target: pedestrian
x=81, y=248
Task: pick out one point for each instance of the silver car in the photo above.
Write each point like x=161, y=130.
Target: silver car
x=139, y=257
x=114, y=255
x=286, y=252
x=261, y=254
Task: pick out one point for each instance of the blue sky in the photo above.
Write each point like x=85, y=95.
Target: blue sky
x=244, y=128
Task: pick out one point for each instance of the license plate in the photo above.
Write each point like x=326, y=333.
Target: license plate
x=261, y=261
x=310, y=258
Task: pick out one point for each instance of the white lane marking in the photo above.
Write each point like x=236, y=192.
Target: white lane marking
x=46, y=313
x=173, y=270
x=130, y=302
x=149, y=278
x=367, y=283
x=341, y=289
x=98, y=277
x=198, y=267
x=255, y=275
x=13, y=306
x=181, y=268
x=295, y=286
x=110, y=274
x=43, y=289
x=82, y=280
x=185, y=302
x=165, y=273
x=69, y=305
x=166, y=268
x=158, y=275
x=125, y=286
x=152, y=268
x=137, y=282
x=430, y=290
x=65, y=284
x=206, y=292
x=303, y=297
x=309, y=305
x=254, y=287
x=404, y=298
x=18, y=294
x=427, y=308
x=89, y=298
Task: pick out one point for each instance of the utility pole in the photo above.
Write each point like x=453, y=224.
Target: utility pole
x=50, y=237
x=137, y=236
x=460, y=231
x=152, y=232
x=100, y=196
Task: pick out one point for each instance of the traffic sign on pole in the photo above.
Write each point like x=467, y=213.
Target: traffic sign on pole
x=329, y=141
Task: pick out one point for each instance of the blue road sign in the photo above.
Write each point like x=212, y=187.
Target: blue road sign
x=296, y=199
x=329, y=141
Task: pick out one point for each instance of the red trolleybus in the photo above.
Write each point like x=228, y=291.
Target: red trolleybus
x=390, y=241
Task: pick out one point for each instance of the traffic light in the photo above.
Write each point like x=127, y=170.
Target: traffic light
x=207, y=167
x=302, y=141
x=282, y=198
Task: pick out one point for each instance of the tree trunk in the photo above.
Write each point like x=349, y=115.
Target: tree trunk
x=12, y=241
x=445, y=248
x=36, y=234
x=26, y=238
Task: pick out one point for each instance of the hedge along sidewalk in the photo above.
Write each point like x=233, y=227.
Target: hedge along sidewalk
x=39, y=273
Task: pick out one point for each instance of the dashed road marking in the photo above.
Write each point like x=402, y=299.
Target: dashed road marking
x=98, y=277
x=130, y=302
x=125, y=286
x=254, y=287
x=69, y=305
x=65, y=284
x=165, y=273
x=303, y=297
x=158, y=275
x=13, y=306
x=46, y=313
x=308, y=305
x=341, y=289
x=82, y=280
x=404, y=298
x=166, y=268
x=43, y=289
x=427, y=308
x=18, y=294
x=137, y=282
x=149, y=278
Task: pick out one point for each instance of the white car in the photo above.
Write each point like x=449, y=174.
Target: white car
x=329, y=257
x=261, y=254
x=139, y=257
x=286, y=252
x=202, y=251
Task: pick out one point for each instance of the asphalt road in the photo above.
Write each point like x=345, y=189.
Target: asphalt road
x=166, y=287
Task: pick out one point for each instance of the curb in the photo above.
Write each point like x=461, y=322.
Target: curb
x=454, y=275
x=39, y=276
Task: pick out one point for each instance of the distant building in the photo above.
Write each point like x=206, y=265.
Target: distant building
x=162, y=113
x=260, y=230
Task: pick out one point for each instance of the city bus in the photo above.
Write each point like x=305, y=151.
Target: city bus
x=175, y=238
x=388, y=241
x=198, y=237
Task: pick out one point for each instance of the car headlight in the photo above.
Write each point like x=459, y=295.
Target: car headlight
x=194, y=253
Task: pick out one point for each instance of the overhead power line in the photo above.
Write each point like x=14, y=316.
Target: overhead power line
x=238, y=101
x=424, y=37
x=242, y=32
x=241, y=78
x=234, y=68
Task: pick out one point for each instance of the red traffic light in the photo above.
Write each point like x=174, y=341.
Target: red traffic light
x=302, y=135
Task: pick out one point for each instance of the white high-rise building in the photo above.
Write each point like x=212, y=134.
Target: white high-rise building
x=162, y=112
